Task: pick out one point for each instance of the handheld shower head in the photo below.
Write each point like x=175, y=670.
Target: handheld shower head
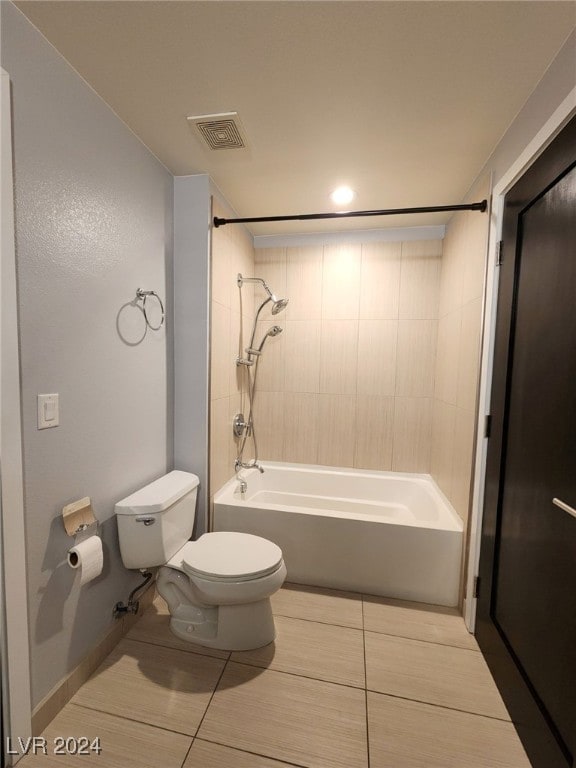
x=274, y=331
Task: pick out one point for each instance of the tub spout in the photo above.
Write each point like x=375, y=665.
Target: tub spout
x=238, y=465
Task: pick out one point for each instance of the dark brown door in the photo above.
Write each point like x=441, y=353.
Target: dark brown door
x=527, y=602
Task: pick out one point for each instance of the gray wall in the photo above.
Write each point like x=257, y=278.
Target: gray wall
x=191, y=299
x=93, y=223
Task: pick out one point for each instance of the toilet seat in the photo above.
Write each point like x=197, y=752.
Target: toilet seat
x=228, y=556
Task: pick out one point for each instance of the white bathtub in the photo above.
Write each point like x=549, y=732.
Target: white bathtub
x=382, y=533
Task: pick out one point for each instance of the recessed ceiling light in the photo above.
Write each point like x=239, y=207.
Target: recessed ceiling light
x=342, y=195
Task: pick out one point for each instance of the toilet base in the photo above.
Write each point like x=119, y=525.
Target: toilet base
x=240, y=627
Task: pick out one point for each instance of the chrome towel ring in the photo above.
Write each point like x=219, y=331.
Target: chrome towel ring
x=143, y=296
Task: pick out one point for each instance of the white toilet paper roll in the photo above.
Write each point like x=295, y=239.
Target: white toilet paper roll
x=88, y=556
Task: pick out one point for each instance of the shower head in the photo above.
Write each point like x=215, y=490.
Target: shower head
x=274, y=331
x=279, y=305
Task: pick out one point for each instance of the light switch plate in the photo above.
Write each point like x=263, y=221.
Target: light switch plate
x=48, y=411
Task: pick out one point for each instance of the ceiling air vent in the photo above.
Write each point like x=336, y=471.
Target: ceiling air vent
x=220, y=131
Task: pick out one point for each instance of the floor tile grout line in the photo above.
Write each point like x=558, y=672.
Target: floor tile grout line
x=378, y=632
x=297, y=674
x=439, y=706
x=188, y=752
x=194, y=652
x=250, y=752
x=365, y=688
x=421, y=640
x=212, y=696
x=133, y=720
x=316, y=621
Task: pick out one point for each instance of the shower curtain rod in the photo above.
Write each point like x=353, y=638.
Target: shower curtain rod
x=482, y=206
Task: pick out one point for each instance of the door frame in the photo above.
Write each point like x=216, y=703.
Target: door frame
x=536, y=732
x=14, y=632
x=551, y=128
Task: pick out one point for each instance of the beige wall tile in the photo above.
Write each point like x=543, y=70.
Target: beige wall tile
x=341, y=282
x=302, y=355
x=220, y=470
x=474, y=268
x=269, y=422
x=301, y=427
x=237, y=336
x=469, y=354
x=222, y=359
x=242, y=299
x=241, y=261
x=242, y=254
x=446, y=379
x=412, y=434
x=477, y=225
x=270, y=265
x=304, y=283
x=380, y=281
x=377, y=357
x=221, y=286
x=338, y=356
x=420, y=279
x=453, y=258
x=443, y=425
x=416, y=361
x=374, y=432
x=462, y=461
x=232, y=312
x=336, y=424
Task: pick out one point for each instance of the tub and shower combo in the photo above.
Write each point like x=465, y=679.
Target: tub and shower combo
x=383, y=533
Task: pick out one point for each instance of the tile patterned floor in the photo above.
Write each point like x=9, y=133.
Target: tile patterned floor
x=352, y=682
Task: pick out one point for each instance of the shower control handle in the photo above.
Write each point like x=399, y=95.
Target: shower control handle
x=239, y=425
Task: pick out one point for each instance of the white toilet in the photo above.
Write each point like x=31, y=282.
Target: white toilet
x=217, y=588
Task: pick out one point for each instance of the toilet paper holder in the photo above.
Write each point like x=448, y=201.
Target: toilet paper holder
x=78, y=516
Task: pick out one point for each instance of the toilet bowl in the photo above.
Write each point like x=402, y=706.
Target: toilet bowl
x=217, y=588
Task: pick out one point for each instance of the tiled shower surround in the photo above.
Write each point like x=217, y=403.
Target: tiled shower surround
x=377, y=364
x=350, y=381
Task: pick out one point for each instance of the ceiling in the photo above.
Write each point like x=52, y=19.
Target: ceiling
x=403, y=101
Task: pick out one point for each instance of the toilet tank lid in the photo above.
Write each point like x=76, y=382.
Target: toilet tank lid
x=159, y=495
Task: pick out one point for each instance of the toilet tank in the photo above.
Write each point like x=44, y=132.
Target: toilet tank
x=156, y=521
